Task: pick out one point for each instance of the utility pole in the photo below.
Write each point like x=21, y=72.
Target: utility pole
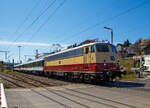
x=37, y=54
x=6, y=52
x=111, y=33
x=19, y=53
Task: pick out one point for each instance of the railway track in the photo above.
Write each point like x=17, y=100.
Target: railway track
x=51, y=99
x=65, y=97
x=11, y=82
x=19, y=80
x=101, y=98
x=35, y=79
x=16, y=79
x=31, y=81
x=81, y=97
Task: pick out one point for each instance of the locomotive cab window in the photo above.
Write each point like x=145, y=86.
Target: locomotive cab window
x=102, y=48
x=92, y=48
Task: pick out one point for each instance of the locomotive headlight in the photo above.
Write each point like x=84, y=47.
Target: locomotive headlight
x=112, y=58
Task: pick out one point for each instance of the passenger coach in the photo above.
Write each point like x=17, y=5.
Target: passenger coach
x=36, y=66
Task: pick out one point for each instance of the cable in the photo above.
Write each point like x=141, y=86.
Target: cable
x=34, y=21
x=111, y=18
x=49, y=17
x=27, y=17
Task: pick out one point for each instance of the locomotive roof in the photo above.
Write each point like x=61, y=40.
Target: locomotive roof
x=70, y=49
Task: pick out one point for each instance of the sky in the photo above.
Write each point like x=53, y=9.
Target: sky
x=38, y=24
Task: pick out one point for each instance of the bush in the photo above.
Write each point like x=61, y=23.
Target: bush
x=129, y=76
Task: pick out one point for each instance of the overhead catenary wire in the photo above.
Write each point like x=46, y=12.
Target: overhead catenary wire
x=109, y=19
x=49, y=17
x=33, y=22
x=36, y=19
x=27, y=17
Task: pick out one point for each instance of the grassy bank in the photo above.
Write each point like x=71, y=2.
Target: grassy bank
x=129, y=76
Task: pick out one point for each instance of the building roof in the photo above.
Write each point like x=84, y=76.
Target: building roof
x=145, y=43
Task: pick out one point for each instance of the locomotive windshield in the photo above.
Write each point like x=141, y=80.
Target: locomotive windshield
x=102, y=48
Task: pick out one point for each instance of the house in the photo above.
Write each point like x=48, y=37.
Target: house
x=147, y=50
x=145, y=47
x=130, y=51
x=125, y=52
x=121, y=51
x=119, y=47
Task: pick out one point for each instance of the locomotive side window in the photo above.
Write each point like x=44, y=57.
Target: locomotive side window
x=86, y=50
x=92, y=48
x=102, y=48
x=72, y=53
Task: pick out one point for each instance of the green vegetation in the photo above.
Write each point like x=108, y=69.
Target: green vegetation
x=6, y=86
x=129, y=76
x=127, y=64
x=4, y=70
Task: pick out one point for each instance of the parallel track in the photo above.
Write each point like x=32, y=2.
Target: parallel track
x=51, y=99
x=52, y=91
x=90, y=100
x=34, y=79
x=106, y=99
x=12, y=82
x=21, y=80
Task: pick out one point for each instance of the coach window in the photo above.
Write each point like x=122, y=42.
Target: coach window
x=92, y=49
x=86, y=50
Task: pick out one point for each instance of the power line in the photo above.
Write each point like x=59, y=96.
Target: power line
x=49, y=17
x=27, y=17
x=34, y=21
x=111, y=18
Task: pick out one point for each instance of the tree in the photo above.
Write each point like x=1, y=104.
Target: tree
x=137, y=47
x=126, y=43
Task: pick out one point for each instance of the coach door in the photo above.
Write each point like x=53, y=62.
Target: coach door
x=87, y=58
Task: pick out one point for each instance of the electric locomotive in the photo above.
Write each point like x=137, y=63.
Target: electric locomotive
x=94, y=60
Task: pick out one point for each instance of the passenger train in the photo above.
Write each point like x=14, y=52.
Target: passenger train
x=96, y=60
